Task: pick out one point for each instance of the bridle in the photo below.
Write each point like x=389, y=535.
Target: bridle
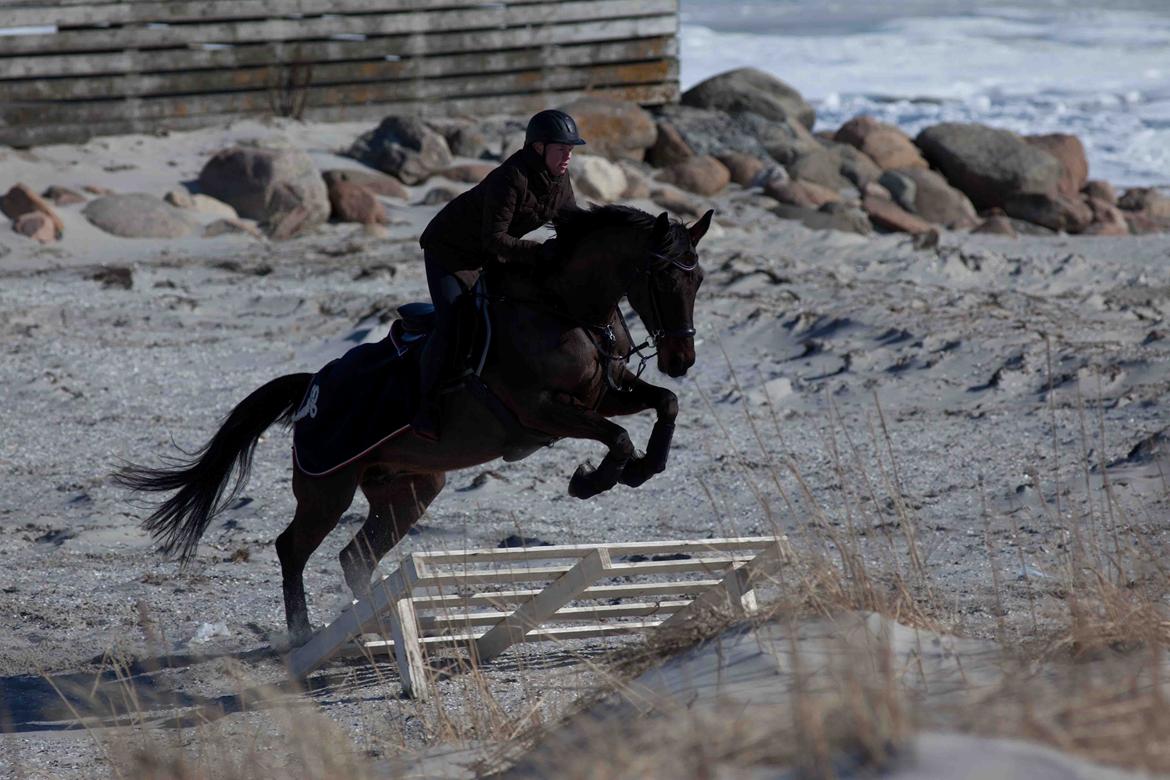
x=660, y=333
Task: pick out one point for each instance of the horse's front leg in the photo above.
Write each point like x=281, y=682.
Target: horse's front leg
x=639, y=396
x=564, y=420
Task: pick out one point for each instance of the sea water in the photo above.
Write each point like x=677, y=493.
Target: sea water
x=1099, y=70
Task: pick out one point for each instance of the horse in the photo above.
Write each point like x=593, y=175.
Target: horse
x=558, y=359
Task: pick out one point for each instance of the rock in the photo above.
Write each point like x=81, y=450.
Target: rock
x=37, y=226
x=854, y=165
x=96, y=189
x=751, y=90
x=745, y=169
x=1140, y=223
x=63, y=196
x=469, y=173
x=232, y=226
x=669, y=148
x=637, y=180
x=598, y=179
x=205, y=204
x=997, y=224
x=1101, y=190
x=374, y=181
x=873, y=189
x=801, y=193
x=1147, y=199
x=1055, y=212
x=405, y=147
x=937, y=201
x=989, y=165
x=138, y=215
x=885, y=213
x=279, y=188
x=901, y=188
x=613, y=128
x=1070, y=153
x=714, y=132
x=846, y=219
x=1108, y=220
x=885, y=144
x=21, y=200
x=180, y=198
x=786, y=142
x=676, y=202
x=437, y=195
x=354, y=203
x=469, y=141
x=702, y=174
x=821, y=166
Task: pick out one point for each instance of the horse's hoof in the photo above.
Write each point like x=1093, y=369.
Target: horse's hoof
x=581, y=484
x=635, y=474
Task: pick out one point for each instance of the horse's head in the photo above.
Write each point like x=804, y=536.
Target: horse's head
x=664, y=295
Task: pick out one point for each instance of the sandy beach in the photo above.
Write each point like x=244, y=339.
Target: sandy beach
x=993, y=387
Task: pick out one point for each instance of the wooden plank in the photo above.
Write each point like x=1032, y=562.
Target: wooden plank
x=261, y=101
x=539, y=608
x=516, y=103
x=690, y=546
x=445, y=622
x=558, y=633
x=534, y=573
x=408, y=653
x=419, y=22
x=92, y=14
x=276, y=53
x=262, y=78
x=499, y=598
x=734, y=595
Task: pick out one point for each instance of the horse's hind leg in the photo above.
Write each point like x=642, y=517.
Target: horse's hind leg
x=320, y=504
x=395, y=505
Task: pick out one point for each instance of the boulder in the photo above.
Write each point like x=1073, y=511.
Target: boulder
x=987, y=164
x=138, y=215
x=1101, y=190
x=354, y=203
x=180, y=198
x=801, y=193
x=637, y=179
x=97, y=189
x=853, y=164
x=37, y=226
x=702, y=174
x=786, y=142
x=997, y=225
x=883, y=143
x=676, y=202
x=1108, y=220
x=63, y=196
x=470, y=141
x=669, y=148
x=613, y=128
x=1070, y=153
x=271, y=186
x=901, y=188
x=830, y=217
x=1140, y=223
x=405, y=147
x=937, y=201
x=232, y=226
x=375, y=182
x=1055, y=212
x=820, y=166
x=886, y=214
x=468, y=173
x=438, y=195
x=745, y=169
x=751, y=90
x=21, y=200
x=1146, y=199
x=205, y=204
x=707, y=131
x=597, y=179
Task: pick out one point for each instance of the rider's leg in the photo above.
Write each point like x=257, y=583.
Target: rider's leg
x=445, y=290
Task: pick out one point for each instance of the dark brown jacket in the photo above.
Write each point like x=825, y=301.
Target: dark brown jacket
x=485, y=224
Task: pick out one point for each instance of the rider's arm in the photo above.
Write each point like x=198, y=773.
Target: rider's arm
x=502, y=195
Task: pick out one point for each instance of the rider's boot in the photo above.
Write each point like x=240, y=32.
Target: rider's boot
x=431, y=364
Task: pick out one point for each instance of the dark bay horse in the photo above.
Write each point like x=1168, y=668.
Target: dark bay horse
x=558, y=361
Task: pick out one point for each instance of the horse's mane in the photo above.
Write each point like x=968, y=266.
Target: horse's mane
x=572, y=225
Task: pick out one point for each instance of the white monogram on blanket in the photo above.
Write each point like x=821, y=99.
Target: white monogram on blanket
x=309, y=407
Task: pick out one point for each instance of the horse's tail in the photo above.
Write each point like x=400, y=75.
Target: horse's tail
x=202, y=480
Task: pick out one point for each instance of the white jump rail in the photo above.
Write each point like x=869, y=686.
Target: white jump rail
x=451, y=598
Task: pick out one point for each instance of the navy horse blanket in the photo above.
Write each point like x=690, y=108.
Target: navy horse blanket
x=355, y=403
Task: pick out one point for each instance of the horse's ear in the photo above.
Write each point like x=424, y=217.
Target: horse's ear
x=699, y=229
x=662, y=224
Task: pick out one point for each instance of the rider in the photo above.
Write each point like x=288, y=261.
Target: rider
x=485, y=225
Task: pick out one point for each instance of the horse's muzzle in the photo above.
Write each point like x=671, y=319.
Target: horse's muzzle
x=676, y=356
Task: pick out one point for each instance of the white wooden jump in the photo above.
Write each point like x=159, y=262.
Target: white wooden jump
x=458, y=598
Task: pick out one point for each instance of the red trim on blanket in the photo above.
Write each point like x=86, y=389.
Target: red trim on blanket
x=366, y=451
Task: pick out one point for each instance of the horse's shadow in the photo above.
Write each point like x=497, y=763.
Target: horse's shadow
x=144, y=691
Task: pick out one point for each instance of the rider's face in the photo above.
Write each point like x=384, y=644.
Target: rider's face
x=556, y=157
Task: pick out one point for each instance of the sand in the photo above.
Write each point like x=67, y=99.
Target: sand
x=978, y=377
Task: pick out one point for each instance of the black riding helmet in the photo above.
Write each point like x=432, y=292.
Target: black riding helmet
x=552, y=127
